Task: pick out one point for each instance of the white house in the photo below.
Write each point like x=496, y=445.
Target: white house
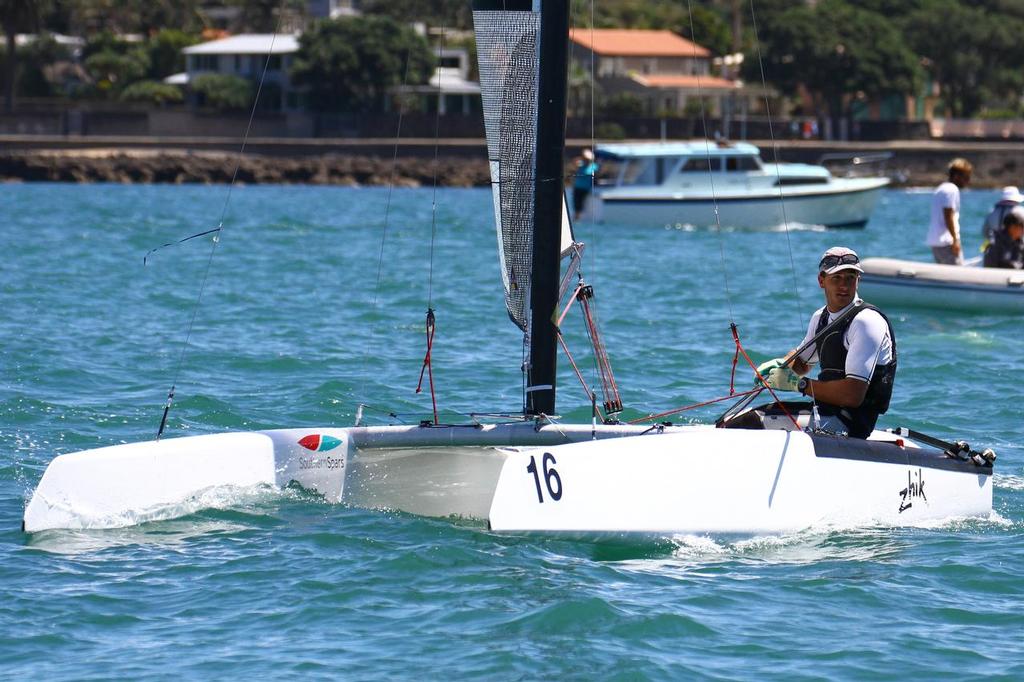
x=245, y=56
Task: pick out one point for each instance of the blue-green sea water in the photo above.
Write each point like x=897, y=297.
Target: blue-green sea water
x=296, y=328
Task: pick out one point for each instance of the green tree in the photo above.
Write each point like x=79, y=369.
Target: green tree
x=837, y=52
x=142, y=17
x=973, y=53
x=223, y=91
x=349, y=64
x=447, y=13
x=17, y=16
x=263, y=16
x=113, y=63
x=165, y=56
x=152, y=92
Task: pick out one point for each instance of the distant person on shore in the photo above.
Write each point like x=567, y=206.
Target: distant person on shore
x=944, y=228
x=583, y=184
x=1007, y=247
x=1009, y=199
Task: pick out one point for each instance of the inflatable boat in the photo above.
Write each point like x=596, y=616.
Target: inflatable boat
x=930, y=285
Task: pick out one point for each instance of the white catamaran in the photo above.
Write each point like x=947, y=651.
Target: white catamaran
x=759, y=474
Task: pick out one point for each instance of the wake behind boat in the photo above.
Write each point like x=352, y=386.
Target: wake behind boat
x=750, y=473
x=931, y=285
x=685, y=183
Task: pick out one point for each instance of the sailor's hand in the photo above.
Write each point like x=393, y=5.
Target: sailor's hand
x=782, y=379
x=765, y=367
x=776, y=376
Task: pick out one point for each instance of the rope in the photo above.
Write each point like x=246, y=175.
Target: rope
x=579, y=375
x=778, y=401
x=427, y=368
x=217, y=230
x=775, y=155
x=711, y=176
x=372, y=343
x=694, y=406
x=431, y=320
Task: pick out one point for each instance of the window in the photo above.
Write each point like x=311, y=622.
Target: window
x=648, y=171
x=696, y=164
x=741, y=163
x=205, y=62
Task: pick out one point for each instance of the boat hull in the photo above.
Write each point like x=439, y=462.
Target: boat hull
x=734, y=481
x=889, y=281
x=845, y=205
x=520, y=477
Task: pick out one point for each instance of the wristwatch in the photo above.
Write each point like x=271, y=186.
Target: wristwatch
x=803, y=385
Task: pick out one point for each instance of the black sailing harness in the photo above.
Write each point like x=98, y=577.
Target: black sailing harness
x=832, y=365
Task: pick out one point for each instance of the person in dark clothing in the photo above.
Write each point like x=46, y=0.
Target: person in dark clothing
x=1007, y=247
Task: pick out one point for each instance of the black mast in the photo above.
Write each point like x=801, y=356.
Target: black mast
x=549, y=193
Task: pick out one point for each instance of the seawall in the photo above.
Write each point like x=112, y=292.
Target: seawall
x=460, y=162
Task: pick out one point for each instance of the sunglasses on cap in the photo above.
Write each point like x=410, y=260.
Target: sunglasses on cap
x=829, y=262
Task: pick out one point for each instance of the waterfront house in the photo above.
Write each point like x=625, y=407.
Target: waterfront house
x=244, y=56
x=665, y=71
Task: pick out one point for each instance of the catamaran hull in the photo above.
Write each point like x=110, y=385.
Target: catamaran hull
x=839, y=208
x=725, y=481
x=889, y=281
x=556, y=479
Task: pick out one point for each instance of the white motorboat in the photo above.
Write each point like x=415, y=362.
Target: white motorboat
x=891, y=281
x=758, y=473
x=688, y=183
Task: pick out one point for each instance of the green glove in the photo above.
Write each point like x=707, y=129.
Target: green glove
x=777, y=376
x=782, y=379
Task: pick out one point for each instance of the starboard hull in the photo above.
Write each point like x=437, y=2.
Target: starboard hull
x=548, y=479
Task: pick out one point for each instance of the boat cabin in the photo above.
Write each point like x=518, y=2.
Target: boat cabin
x=686, y=164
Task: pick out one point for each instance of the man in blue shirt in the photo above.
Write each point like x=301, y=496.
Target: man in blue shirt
x=583, y=184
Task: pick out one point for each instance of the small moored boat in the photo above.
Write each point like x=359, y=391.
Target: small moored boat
x=685, y=183
x=902, y=282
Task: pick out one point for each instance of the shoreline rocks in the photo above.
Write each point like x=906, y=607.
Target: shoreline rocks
x=921, y=166
x=86, y=166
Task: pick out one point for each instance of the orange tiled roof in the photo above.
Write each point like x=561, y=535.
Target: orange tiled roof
x=687, y=81
x=621, y=42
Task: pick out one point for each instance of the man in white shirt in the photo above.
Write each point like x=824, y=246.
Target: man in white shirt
x=944, y=228
x=857, y=359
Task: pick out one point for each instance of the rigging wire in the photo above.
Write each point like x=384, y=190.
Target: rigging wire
x=778, y=172
x=372, y=342
x=711, y=177
x=431, y=318
x=217, y=230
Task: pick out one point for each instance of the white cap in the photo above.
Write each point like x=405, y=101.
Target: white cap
x=839, y=258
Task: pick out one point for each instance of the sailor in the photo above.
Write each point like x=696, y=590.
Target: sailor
x=856, y=360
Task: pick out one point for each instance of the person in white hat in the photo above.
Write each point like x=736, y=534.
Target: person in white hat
x=1008, y=199
x=856, y=360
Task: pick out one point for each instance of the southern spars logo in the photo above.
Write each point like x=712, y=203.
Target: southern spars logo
x=319, y=443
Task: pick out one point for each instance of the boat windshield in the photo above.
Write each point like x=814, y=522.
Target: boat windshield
x=648, y=171
x=742, y=163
